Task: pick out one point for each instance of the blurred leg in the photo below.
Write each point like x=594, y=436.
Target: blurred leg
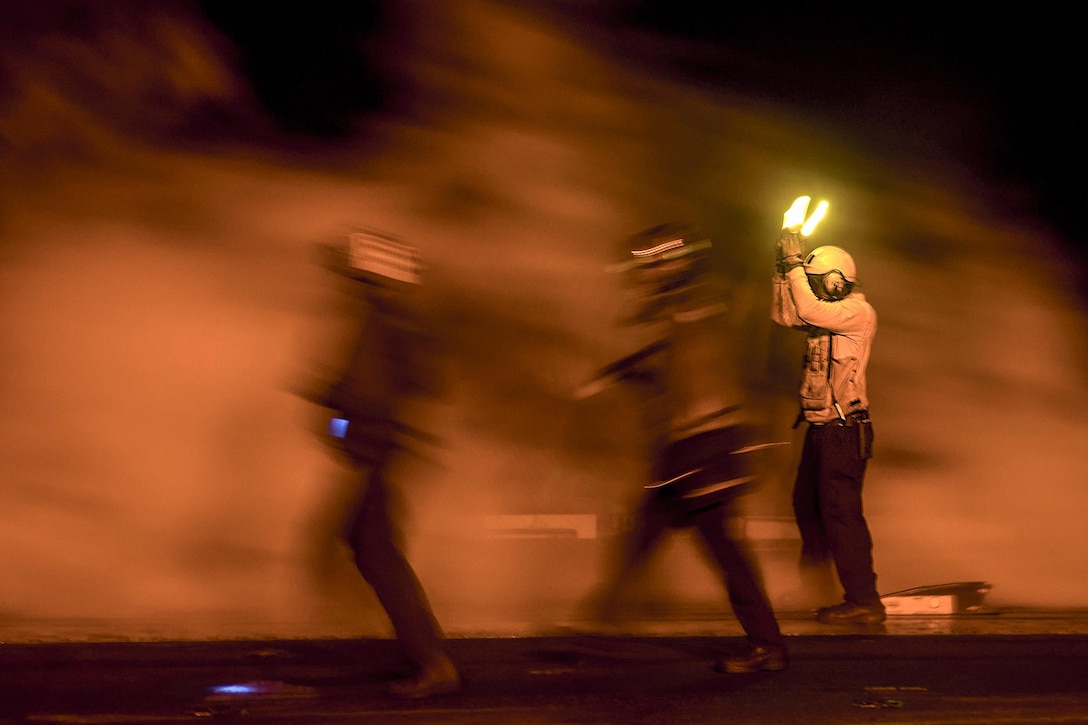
x=651, y=520
x=741, y=578
x=376, y=542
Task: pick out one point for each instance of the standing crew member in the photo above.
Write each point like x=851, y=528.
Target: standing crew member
x=815, y=294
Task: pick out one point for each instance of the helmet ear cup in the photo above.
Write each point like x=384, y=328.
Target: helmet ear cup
x=831, y=286
x=835, y=284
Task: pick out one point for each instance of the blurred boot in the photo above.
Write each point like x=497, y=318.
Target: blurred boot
x=767, y=658
x=437, y=677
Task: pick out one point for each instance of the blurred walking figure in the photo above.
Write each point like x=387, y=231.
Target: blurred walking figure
x=390, y=363
x=703, y=438
x=815, y=294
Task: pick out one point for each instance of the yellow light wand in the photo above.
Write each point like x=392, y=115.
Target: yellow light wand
x=794, y=219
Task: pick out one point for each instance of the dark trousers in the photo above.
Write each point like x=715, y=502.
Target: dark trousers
x=375, y=540
x=657, y=514
x=828, y=507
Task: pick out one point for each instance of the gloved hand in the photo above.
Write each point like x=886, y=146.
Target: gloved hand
x=796, y=228
x=789, y=251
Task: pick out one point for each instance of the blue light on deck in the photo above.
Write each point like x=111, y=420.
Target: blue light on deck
x=243, y=689
x=260, y=689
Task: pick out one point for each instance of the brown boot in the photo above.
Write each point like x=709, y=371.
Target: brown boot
x=850, y=613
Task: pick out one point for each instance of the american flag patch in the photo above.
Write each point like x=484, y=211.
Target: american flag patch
x=374, y=254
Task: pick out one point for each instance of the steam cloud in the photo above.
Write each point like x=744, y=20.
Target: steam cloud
x=161, y=310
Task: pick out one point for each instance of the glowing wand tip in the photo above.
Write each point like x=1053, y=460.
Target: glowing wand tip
x=810, y=224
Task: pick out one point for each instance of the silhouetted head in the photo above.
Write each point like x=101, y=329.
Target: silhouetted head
x=667, y=267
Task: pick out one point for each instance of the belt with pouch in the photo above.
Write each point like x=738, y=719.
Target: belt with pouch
x=859, y=420
x=851, y=419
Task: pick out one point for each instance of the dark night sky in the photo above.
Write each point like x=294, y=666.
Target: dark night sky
x=989, y=91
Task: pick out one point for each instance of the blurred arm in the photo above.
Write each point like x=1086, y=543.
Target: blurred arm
x=631, y=368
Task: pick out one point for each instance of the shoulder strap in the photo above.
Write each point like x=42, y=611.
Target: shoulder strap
x=830, y=382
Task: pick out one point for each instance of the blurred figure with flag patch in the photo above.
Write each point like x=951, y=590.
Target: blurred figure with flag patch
x=704, y=437
x=391, y=361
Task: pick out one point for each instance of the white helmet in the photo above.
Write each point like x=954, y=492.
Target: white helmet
x=831, y=272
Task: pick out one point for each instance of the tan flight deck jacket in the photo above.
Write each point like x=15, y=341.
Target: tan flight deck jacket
x=842, y=331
